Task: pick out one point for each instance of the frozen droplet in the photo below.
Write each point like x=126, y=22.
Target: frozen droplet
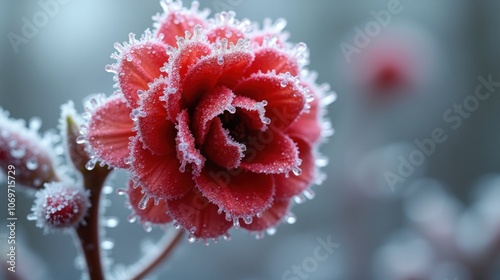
x=226, y=236
x=90, y=164
x=183, y=146
x=259, y=215
x=266, y=120
x=121, y=191
x=32, y=217
x=176, y=225
x=299, y=199
x=248, y=220
x=107, y=189
x=132, y=218
x=107, y=244
x=290, y=218
x=296, y=170
x=231, y=109
x=111, y=222
x=143, y=202
x=191, y=238
x=259, y=235
x=283, y=83
x=35, y=123
x=220, y=60
x=32, y=163
x=309, y=194
x=236, y=223
x=271, y=231
x=228, y=217
x=329, y=99
x=18, y=152
x=148, y=227
x=321, y=161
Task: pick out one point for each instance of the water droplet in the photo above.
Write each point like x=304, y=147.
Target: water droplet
x=132, y=218
x=220, y=60
x=107, y=189
x=18, y=152
x=144, y=202
x=290, y=218
x=259, y=215
x=32, y=217
x=35, y=123
x=284, y=83
x=309, y=194
x=299, y=199
x=296, y=171
x=321, y=161
x=107, y=244
x=231, y=109
x=111, y=222
x=248, y=220
x=236, y=223
x=271, y=231
x=259, y=235
x=183, y=146
x=148, y=227
x=32, y=163
x=177, y=225
x=226, y=236
x=90, y=164
x=121, y=191
x=191, y=238
x=329, y=99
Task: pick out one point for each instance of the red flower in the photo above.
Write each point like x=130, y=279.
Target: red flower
x=210, y=118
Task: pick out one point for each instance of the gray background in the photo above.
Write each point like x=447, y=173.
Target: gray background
x=457, y=39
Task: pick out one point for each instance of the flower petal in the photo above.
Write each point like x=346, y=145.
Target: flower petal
x=271, y=152
x=152, y=213
x=159, y=175
x=186, y=149
x=109, y=131
x=212, y=104
x=176, y=20
x=138, y=65
x=286, y=188
x=273, y=58
x=221, y=148
x=308, y=125
x=157, y=133
x=224, y=69
x=225, y=25
x=285, y=97
x=199, y=216
x=183, y=59
x=270, y=218
x=251, y=112
x=239, y=193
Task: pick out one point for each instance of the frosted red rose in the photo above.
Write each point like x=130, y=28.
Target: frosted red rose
x=216, y=120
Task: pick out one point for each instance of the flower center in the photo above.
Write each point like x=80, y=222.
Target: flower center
x=235, y=125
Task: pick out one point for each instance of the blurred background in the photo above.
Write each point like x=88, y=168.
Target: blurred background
x=413, y=184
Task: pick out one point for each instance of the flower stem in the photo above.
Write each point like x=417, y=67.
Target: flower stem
x=151, y=260
x=88, y=232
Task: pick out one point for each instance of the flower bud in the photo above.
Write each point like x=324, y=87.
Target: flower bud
x=59, y=205
x=24, y=148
